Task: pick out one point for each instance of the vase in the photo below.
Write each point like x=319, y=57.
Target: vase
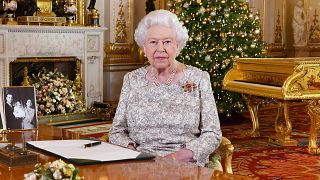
x=70, y=10
x=10, y=6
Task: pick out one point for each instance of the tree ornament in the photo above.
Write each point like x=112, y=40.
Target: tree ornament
x=202, y=10
x=207, y=58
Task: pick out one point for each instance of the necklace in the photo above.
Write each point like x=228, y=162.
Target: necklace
x=170, y=78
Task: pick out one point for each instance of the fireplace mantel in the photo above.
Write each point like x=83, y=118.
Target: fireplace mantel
x=85, y=43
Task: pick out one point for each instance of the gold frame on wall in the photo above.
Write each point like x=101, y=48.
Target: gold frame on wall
x=21, y=61
x=161, y=4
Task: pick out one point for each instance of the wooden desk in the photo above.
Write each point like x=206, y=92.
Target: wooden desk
x=159, y=168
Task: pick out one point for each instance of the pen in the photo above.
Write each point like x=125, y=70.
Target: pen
x=91, y=144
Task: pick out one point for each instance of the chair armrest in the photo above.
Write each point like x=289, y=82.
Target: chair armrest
x=225, y=150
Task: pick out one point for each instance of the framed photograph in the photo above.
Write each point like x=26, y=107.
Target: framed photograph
x=19, y=103
x=2, y=118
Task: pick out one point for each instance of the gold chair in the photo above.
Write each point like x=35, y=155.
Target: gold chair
x=225, y=152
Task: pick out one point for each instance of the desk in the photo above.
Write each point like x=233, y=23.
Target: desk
x=158, y=168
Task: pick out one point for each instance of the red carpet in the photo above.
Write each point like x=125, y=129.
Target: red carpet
x=257, y=158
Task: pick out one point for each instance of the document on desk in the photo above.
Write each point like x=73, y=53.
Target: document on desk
x=74, y=151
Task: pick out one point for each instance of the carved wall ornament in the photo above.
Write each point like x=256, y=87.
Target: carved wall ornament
x=314, y=36
x=278, y=31
x=121, y=27
x=93, y=43
x=93, y=59
x=46, y=44
x=2, y=44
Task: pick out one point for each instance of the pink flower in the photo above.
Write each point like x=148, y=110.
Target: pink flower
x=189, y=86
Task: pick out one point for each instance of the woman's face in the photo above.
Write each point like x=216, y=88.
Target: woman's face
x=161, y=46
x=28, y=103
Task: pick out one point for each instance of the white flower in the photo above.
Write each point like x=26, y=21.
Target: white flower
x=70, y=9
x=30, y=176
x=57, y=174
x=53, y=94
x=12, y=5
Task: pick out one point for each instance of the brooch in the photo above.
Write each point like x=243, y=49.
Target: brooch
x=189, y=86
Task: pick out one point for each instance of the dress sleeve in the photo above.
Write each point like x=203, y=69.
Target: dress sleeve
x=209, y=126
x=118, y=133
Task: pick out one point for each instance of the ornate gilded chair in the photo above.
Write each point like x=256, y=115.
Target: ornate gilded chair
x=224, y=152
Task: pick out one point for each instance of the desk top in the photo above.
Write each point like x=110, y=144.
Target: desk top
x=158, y=168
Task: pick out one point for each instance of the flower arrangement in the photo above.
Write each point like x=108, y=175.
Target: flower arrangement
x=53, y=170
x=56, y=94
x=10, y=6
x=70, y=9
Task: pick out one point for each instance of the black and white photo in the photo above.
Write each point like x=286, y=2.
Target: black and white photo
x=2, y=120
x=19, y=107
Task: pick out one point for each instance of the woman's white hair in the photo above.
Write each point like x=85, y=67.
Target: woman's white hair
x=163, y=18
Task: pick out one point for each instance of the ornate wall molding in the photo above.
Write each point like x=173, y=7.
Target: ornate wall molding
x=93, y=43
x=45, y=44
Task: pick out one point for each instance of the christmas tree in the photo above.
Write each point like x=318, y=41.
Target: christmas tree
x=219, y=31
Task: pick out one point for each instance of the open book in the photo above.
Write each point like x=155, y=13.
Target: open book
x=73, y=151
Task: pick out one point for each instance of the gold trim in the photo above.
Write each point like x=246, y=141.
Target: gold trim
x=283, y=20
x=81, y=12
x=314, y=114
x=121, y=27
x=59, y=119
x=161, y=4
x=41, y=20
x=283, y=127
x=129, y=29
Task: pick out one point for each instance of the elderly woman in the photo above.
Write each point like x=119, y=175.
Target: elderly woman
x=166, y=108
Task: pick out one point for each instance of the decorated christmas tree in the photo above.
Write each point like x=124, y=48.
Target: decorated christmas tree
x=219, y=32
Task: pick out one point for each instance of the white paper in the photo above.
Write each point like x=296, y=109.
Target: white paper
x=73, y=149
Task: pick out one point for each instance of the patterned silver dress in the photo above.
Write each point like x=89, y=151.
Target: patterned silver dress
x=162, y=119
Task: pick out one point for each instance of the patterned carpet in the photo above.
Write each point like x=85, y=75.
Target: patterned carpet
x=257, y=158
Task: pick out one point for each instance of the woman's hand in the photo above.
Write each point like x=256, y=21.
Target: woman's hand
x=184, y=155
x=131, y=146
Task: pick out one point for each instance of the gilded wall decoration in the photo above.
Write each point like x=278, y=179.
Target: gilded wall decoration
x=278, y=30
x=314, y=36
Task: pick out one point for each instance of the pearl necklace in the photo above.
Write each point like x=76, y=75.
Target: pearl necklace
x=170, y=78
